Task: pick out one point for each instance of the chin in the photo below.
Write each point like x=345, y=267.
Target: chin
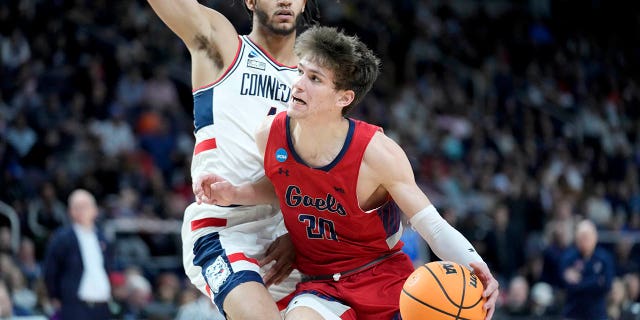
x=283, y=29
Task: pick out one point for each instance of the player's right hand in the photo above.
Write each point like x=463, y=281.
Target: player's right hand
x=213, y=189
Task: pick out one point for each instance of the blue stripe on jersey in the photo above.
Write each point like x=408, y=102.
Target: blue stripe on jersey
x=390, y=215
x=206, y=250
x=203, y=108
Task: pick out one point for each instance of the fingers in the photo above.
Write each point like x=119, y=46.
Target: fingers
x=278, y=272
x=283, y=275
x=197, y=190
x=268, y=257
x=490, y=314
x=202, y=188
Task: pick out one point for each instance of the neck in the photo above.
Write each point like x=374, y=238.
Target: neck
x=279, y=47
x=85, y=225
x=318, y=142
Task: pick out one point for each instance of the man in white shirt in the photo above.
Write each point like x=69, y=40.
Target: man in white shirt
x=75, y=269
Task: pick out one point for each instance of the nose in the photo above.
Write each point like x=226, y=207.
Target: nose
x=297, y=83
x=284, y=3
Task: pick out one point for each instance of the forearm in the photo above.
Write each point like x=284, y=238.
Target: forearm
x=185, y=17
x=258, y=192
x=445, y=241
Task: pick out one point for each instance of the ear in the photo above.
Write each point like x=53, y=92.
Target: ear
x=345, y=98
x=304, y=5
x=251, y=4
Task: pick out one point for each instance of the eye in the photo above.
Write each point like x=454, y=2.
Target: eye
x=314, y=78
x=300, y=72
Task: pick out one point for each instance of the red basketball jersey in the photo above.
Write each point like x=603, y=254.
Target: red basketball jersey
x=330, y=231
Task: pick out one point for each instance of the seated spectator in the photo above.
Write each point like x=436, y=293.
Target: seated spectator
x=542, y=300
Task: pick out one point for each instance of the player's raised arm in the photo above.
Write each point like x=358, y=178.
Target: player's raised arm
x=210, y=37
x=190, y=20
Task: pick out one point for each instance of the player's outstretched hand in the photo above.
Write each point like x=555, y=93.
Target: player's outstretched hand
x=213, y=189
x=491, y=291
x=282, y=252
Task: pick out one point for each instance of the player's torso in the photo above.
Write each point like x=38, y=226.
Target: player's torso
x=228, y=111
x=320, y=206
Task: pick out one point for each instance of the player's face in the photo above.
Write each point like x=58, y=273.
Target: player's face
x=313, y=92
x=279, y=16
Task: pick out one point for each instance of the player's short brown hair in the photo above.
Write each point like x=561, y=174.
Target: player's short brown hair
x=355, y=67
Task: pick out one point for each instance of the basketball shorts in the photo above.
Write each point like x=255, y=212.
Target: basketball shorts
x=371, y=294
x=221, y=247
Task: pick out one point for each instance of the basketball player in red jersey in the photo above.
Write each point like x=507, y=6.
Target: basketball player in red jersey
x=335, y=178
x=237, y=81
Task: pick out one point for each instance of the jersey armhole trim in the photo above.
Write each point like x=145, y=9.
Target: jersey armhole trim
x=226, y=72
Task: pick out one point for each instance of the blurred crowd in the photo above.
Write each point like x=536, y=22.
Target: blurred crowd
x=521, y=119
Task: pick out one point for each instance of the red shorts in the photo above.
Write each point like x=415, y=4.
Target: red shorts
x=371, y=294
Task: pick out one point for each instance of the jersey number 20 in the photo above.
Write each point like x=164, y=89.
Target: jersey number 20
x=318, y=228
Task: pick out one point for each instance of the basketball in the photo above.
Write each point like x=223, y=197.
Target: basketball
x=442, y=290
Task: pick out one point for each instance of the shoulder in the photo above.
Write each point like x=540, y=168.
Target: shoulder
x=265, y=127
x=603, y=254
x=262, y=133
x=61, y=237
x=63, y=232
x=569, y=255
x=382, y=151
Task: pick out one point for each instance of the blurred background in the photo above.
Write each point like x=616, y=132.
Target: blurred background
x=520, y=119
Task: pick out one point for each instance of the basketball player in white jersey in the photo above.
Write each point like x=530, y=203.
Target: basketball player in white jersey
x=237, y=81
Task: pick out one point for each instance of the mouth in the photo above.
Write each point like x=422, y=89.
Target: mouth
x=284, y=14
x=298, y=101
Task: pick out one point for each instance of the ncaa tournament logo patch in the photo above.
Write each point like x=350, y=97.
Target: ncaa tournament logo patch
x=217, y=273
x=281, y=155
x=255, y=64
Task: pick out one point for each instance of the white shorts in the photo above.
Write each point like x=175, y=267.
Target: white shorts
x=221, y=247
x=329, y=309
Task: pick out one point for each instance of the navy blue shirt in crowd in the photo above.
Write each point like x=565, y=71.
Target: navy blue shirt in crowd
x=587, y=298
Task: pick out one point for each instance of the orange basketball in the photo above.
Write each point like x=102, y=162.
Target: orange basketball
x=442, y=290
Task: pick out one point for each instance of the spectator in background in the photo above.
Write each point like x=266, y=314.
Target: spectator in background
x=75, y=264
x=27, y=262
x=7, y=309
x=15, y=50
x=21, y=136
x=517, y=303
x=138, y=290
x=616, y=299
x=559, y=236
x=504, y=244
x=542, y=300
x=587, y=273
x=195, y=306
x=45, y=215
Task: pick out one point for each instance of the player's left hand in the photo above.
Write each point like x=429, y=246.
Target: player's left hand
x=213, y=189
x=282, y=252
x=491, y=291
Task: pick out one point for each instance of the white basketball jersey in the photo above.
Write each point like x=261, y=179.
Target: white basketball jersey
x=228, y=111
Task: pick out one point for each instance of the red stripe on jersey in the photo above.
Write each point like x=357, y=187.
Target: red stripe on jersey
x=208, y=222
x=240, y=256
x=284, y=302
x=235, y=59
x=205, y=145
